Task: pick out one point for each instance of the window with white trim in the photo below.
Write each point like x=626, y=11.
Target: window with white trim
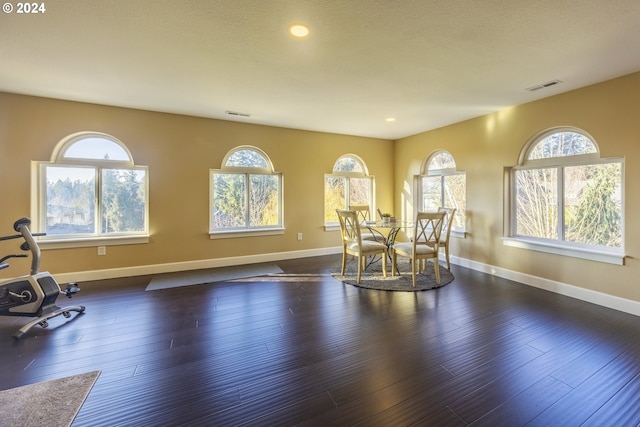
x=91, y=189
x=349, y=184
x=440, y=184
x=246, y=193
x=563, y=194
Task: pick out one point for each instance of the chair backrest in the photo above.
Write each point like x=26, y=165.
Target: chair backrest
x=349, y=227
x=427, y=228
x=448, y=220
x=364, y=212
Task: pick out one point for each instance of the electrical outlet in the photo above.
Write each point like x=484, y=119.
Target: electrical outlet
x=299, y=236
x=102, y=250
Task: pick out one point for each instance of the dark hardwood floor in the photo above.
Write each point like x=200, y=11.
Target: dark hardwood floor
x=304, y=349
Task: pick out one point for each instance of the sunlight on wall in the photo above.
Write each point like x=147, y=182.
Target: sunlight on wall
x=494, y=120
x=406, y=202
x=407, y=208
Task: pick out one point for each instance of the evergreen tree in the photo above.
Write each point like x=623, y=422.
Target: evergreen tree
x=596, y=218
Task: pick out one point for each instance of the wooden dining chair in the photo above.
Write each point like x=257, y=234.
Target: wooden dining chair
x=424, y=245
x=354, y=245
x=446, y=231
x=364, y=217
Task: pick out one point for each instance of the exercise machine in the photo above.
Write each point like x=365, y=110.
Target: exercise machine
x=33, y=295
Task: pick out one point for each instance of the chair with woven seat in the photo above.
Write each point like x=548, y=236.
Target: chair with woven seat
x=446, y=231
x=354, y=245
x=423, y=246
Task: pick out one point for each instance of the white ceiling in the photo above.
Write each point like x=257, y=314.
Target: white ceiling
x=428, y=63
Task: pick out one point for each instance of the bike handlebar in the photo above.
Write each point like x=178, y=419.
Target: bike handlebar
x=22, y=227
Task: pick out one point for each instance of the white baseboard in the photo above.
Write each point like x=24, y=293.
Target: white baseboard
x=142, y=270
x=594, y=297
x=599, y=298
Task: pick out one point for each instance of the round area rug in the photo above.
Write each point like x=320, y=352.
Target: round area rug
x=372, y=277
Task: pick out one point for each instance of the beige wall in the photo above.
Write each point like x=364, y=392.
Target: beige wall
x=179, y=152
x=483, y=147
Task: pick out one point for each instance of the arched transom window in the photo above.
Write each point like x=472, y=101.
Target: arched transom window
x=564, y=194
x=91, y=189
x=246, y=193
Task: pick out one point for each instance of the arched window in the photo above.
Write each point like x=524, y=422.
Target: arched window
x=91, y=189
x=440, y=184
x=563, y=194
x=348, y=184
x=246, y=194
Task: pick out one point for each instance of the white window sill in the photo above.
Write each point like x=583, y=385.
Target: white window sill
x=460, y=234
x=245, y=233
x=87, y=242
x=609, y=257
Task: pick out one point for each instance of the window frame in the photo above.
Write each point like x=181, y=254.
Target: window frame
x=58, y=158
x=560, y=246
x=442, y=173
x=247, y=172
x=347, y=176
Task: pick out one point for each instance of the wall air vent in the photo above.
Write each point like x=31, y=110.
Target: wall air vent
x=543, y=85
x=237, y=114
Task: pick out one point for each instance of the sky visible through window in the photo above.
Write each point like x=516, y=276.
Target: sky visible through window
x=55, y=174
x=96, y=148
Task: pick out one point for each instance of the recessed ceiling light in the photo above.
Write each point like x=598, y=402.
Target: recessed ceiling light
x=390, y=119
x=299, y=31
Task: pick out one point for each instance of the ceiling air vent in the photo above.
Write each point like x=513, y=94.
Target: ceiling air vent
x=543, y=85
x=236, y=113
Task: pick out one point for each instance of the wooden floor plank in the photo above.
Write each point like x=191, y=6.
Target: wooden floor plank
x=301, y=348
x=589, y=397
x=525, y=406
x=618, y=411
